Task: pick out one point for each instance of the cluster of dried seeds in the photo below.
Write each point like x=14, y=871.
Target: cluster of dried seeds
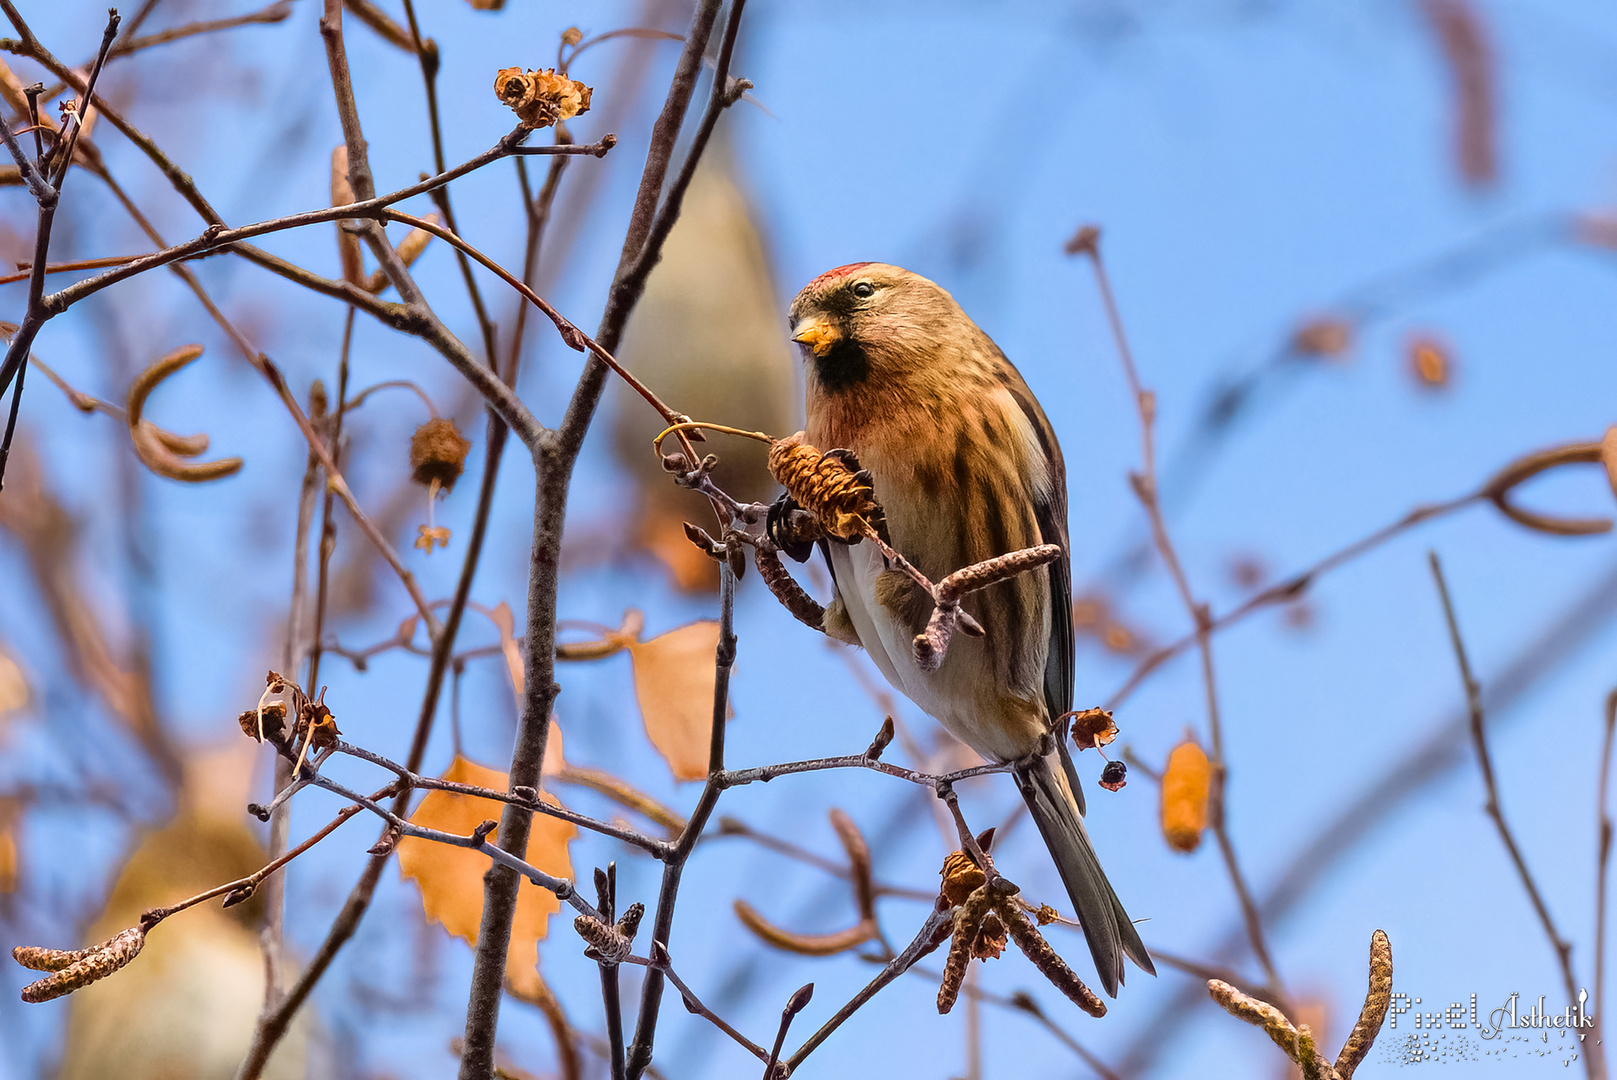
x=984, y=918
x=541, y=98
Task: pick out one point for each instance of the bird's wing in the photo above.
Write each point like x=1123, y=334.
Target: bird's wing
x=1050, y=510
x=835, y=622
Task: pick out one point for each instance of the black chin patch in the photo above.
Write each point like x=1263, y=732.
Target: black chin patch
x=843, y=367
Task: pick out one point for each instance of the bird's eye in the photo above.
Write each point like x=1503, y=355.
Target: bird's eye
x=864, y=289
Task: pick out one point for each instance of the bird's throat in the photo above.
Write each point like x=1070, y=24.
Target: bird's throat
x=845, y=366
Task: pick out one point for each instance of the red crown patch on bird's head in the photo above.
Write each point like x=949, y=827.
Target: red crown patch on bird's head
x=831, y=275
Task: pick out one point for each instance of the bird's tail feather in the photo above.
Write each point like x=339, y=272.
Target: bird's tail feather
x=1106, y=925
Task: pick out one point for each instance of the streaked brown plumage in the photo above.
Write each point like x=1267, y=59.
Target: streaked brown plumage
x=967, y=467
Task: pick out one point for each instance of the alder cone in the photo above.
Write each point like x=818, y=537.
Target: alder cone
x=709, y=336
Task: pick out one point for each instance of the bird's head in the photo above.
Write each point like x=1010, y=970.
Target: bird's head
x=868, y=319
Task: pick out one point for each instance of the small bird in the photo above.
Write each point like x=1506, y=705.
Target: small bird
x=966, y=467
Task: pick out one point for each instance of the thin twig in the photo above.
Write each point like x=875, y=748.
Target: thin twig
x=924, y=942
x=561, y=887
x=1432, y=756
x=674, y=865
x=660, y=963
x=1145, y=487
x=1290, y=588
x=248, y=884
x=652, y=846
x=1603, y=870
x=274, y=13
x=46, y=189
x=1479, y=741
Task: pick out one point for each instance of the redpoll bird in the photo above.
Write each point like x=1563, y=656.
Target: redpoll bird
x=967, y=467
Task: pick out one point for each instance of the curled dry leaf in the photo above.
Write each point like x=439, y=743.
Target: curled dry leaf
x=342, y=194
x=673, y=681
x=1186, y=785
x=1608, y=456
x=1500, y=488
x=451, y=878
x=502, y=618
x=9, y=860
x=160, y=452
x=805, y=944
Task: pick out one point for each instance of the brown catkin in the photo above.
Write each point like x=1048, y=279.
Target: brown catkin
x=438, y=452
x=94, y=964
x=37, y=958
x=1051, y=966
x=1186, y=783
x=786, y=589
x=824, y=485
x=967, y=920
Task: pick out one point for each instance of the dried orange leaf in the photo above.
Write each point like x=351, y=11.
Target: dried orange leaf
x=1324, y=335
x=1608, y=455
x=342, y=194
x=554, y=761
x=13, y=686
x=501, y=617
x=8, y=848
x=673, y=680
x=1186, y=784
x=451, y=878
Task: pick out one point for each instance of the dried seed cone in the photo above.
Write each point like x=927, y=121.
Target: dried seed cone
x=438, y=452
x=606, y=940
x=541, y=98
x=274, y=720
x=1186, y=784
x=989, y=940
x=961, y=877
x=825, y=486
x=1093, y=728
x=93, y=964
